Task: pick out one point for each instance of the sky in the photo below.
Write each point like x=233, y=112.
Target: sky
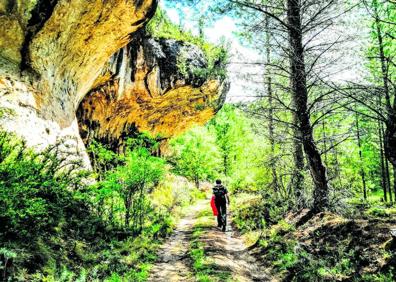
x=247, y=78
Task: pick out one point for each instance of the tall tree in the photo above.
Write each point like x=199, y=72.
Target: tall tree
x=297, y=24
x=379, y=96
x=268, y=81
x=296, y=28
x=298, y=77
x=359, y=142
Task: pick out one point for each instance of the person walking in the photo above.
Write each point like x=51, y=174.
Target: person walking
x=221, y=201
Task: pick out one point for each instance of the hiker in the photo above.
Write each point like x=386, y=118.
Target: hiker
x=221, y=201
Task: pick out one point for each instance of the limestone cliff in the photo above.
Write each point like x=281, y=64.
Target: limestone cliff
x=54, y=52
x=151, y=85
x=51, y=53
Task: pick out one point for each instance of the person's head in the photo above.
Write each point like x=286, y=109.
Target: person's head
x=218, y=181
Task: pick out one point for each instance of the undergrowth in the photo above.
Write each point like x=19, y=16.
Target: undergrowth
x=328, y=247
x=56, y=226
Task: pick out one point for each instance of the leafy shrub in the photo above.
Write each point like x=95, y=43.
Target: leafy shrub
x=131, y=181
x=255, y=212
x=42, y=196
x=38, y=191
x=50, y=225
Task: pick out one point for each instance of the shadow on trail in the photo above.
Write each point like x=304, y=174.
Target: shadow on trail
x=199, y=251
x=227, y=252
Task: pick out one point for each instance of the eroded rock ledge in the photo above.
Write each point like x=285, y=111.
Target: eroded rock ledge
x=54, y=52
x=152, y=85
x=51, y=53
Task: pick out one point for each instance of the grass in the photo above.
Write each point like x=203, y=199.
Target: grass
x=374, y=206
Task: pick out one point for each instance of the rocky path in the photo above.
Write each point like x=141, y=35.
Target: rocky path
x=224, y=253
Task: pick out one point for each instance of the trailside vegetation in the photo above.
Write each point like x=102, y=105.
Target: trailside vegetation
x=60, y=223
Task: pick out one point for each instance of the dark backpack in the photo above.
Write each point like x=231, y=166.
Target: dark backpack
x=219, y=191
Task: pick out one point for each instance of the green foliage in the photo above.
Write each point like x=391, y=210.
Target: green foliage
x=36, y=189
x=131, y=182
x=196, y=155
x=380, y=211
x=220, y=150
x=54, y=227
x=256, y=212
x=103, y=159
x=379, y=277
x=231, y=129
x=6, y=112
x=174, y=193
x=42, y=195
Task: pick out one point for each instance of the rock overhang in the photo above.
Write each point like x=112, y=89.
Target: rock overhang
x=145, y=88
x=56, y=65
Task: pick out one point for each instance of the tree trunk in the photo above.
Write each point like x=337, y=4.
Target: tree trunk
x=300, y=97
x=389, y=138
x=324, y=142
x=128, y=204
x=127, y=213
x=196, y=181
x=225, y=163
x=394, y=180
x=382, y=160
x=390, y=147
x=388, y=183
x=298, y=176
x=362, y=174
x=337, y=164
x=268, y=80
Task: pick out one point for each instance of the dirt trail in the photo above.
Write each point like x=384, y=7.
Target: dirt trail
x=173, y=262
x=226, y=251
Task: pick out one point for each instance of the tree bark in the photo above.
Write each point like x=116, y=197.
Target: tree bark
x=382, y=160
x=300, y=97
x=388, y=182
x=196, y=181
x=390, y=147
x=268, y=80
x=324, y=142
x=362, y=174
x=225, y=164
x=389, y=138
x=298, y=176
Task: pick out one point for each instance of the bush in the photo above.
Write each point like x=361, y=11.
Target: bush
x=50, y=227
x=130, y=184
x=42, y=197
x=38, y=191
x=255, y=211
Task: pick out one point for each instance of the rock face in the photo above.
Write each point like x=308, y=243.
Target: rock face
x=151, y=85
x=51, y=53
x=54, y=52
